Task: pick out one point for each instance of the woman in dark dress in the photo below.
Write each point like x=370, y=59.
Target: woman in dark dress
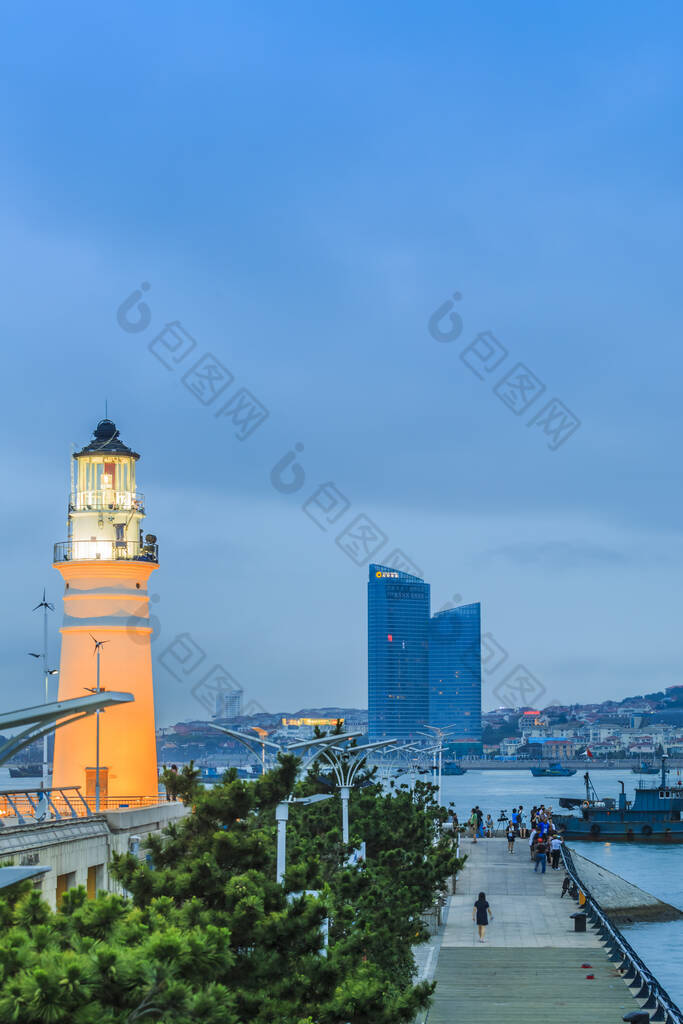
x=480, y=914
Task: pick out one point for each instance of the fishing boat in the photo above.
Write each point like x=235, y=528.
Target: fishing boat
x=452, y=768
x=552, y=771
x=645, y=769
x=653, y=816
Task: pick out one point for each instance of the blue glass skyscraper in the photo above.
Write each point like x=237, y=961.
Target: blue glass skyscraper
x=398, y=626
x=455, y=675
x=421, y=670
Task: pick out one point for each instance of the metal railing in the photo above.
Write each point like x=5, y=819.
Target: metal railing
x=128, y=501
x=636, y=973
x=63, y=802
x=106, y=550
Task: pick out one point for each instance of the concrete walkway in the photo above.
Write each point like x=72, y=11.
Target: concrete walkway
x=532, y=959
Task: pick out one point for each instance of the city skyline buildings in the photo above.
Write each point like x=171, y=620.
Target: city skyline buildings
x=229, y=703
x=455, y=672
x=398, y=624
x=423, y=670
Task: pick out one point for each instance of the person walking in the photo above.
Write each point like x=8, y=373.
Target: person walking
x=522, y=825
x=514, y=818
x=480, y=817
x=474, y=821
x=532, y=840
x=481, y=913
x=555, y=848
x=541, y=854
x=511, y=839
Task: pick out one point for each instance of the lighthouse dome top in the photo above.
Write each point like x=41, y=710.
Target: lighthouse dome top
x=106, y=440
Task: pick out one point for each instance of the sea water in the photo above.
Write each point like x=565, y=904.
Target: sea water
x=656, y=868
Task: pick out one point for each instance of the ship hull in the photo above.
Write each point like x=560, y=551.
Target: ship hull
x=619, y=831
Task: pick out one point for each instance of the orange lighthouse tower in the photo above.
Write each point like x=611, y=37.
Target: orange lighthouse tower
x=106, y=565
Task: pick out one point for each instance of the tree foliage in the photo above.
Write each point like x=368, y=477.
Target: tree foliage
x=206, y=934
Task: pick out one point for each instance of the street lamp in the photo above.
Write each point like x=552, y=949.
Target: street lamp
x=441, y=734
x=279, y=748
x=281, y=816
x=46, y=606
x=96, y=652
x=345, y=764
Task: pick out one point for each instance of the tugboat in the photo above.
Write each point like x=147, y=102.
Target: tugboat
x=553, y=771
x=452, y=768
x=654, y=816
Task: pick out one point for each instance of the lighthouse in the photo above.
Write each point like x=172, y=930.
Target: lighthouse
x=106, y=563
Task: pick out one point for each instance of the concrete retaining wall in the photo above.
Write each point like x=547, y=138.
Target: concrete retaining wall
x=78, y=850
x=622, y=901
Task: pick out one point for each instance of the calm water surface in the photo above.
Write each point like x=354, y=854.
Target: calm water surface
x=657, y=869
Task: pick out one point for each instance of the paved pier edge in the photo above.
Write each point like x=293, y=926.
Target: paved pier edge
x=622, y=902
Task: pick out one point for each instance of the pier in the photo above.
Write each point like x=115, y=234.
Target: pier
x=533, y=960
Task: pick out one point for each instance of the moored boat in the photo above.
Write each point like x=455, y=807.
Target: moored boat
x=553, y=771
x=654, y=815
x=25, y=771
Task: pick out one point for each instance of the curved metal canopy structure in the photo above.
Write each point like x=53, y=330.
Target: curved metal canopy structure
x=44, y=718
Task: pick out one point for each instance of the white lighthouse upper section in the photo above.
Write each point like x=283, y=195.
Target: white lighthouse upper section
x=105, y=509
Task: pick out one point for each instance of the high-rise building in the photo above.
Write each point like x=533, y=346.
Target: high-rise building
x=421, y=670
x=455, y=675
x=398, y=618
x=106, y=564
x=229, y=704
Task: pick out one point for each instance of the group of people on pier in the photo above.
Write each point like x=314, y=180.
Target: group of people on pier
x=545, y=843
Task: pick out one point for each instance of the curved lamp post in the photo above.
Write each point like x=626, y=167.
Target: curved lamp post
x=440, y=735
x=251, y=742
x=345, y=763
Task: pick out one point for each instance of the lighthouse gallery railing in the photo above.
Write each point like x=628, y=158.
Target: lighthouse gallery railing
x=106, y=550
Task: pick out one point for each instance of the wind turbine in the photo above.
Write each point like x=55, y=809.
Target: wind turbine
x=98, y=645
x=47, y=607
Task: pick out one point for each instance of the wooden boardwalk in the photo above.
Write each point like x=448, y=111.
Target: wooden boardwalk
x=532, y=959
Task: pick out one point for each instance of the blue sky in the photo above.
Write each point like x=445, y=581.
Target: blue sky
x=302, y=186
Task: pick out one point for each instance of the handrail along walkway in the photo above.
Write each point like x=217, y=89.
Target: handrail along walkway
x=657, y=996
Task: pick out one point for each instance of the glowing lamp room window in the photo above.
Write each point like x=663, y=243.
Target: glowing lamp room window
x=108, y=479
